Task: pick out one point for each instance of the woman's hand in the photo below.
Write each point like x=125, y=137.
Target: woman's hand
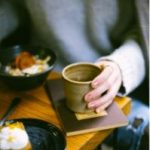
x=105, y=86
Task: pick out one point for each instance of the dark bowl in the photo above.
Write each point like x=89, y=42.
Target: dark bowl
x=43, y=135
x=7, y=55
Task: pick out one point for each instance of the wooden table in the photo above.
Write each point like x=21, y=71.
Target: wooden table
x=36, y=104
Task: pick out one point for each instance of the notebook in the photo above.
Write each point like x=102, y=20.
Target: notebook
x=72, y=126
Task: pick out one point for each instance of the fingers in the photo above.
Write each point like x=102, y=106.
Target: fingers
x=102, y=77
x=107, y=99
x=103, y=102
x=104, y=106
x=105, y=87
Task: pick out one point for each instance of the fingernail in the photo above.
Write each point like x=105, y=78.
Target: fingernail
x=91, y=105
x=87, y=97
x=97, y=110
x=94, y=84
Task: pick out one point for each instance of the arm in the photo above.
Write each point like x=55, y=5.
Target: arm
x=124, y=67
x=130, y=59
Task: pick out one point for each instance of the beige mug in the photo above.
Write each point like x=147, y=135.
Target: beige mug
x=77, y=82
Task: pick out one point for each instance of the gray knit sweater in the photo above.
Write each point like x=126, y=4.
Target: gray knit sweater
x=8, y=19
x=89, y=30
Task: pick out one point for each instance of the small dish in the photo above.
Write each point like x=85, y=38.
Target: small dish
x=43, y=135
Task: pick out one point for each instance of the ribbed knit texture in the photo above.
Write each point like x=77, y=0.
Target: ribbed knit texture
x=80, y=31
x=83, y=30
x=130, y=60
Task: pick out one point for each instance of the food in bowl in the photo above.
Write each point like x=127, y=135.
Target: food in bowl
x=31, y=73
x=14, y=137
x=26, y=64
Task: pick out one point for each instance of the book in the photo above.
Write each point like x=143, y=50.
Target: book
x=72, y=126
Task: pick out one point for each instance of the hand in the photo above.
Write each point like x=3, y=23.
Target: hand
x=105, y=86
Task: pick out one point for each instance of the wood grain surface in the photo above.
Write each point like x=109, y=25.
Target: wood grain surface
x=37, y=104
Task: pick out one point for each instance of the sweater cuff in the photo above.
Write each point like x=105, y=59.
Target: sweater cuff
x=131, y=62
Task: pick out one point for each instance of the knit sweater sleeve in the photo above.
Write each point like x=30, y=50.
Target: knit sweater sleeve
x=130, y=59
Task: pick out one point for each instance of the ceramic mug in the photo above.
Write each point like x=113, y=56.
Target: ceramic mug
x=77, y=82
